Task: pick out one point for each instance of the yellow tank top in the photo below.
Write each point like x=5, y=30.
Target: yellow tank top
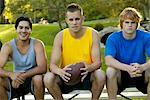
x=76, y=50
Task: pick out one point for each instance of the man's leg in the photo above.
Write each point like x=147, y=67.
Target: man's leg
x=51, y=83
x=148, y=89
x=111, y=83
x=147, y=80
x=98, y=80
x=38, y=87
x=4, y=83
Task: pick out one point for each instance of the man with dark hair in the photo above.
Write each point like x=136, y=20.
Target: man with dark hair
x=125, y=56
x=73, y=45
x=29, y=59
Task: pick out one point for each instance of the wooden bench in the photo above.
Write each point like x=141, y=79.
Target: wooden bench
x=128, y=94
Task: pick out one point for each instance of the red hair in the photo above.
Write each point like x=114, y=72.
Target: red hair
x=130, y=13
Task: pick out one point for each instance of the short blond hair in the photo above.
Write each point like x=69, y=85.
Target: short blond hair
x=74, y=7
x=130, y=13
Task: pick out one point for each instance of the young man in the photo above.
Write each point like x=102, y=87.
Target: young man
x=29, y=59
x=125, y=56
x=72, y=45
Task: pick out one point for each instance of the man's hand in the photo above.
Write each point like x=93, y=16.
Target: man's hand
x=84, y=71
x=63, y=74
x=17, y=79
x=138, y=71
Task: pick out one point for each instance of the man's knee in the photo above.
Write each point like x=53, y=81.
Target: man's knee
x=3, y=82
x=49, y=78
x=147, y=75
x=111, y=73
x=100, y=75
x=37, y=80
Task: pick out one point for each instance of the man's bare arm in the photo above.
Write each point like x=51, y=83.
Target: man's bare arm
x=95, y=53
x=56, y=53
x=55, y=59
x=4, y=55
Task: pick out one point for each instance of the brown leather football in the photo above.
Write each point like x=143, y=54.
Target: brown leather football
x=75, y=73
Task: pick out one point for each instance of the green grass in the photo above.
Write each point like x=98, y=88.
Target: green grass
x=46, y=33
x=104, y=22
x=5, y=27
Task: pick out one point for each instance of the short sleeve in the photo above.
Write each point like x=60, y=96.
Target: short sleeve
x=110, y=48
x=147, y=46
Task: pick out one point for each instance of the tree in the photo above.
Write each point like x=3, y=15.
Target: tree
x=2, y=6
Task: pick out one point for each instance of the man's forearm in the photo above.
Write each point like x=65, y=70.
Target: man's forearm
x=94, y=66
x=111, y=62
x=146, y=65
x=4, y=73
x=34, y=71
x=54, y=69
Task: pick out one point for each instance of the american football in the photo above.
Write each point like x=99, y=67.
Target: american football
x=75, y=73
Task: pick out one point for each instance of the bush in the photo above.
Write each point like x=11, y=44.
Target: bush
x=98, y=26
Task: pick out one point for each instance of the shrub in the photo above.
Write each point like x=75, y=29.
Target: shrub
x=98, y=26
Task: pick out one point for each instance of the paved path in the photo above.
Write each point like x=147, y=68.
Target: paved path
x=86, y=95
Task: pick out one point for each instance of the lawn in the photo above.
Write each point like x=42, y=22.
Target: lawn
x=46, y=33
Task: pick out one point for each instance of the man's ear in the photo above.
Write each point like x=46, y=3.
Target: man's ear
x=66, y=19
x=83, y=17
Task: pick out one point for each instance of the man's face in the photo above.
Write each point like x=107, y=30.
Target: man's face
x=74, y=21
x=129, y=26
x=23, y=30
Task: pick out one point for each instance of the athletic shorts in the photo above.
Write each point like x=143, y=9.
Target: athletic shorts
x=127, y=81
x=23, y=89
x=85, y=85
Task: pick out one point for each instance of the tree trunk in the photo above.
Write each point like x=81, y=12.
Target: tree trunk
x=149, y=10
x=2, y=6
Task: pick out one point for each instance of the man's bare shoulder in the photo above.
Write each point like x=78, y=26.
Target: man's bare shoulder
x=38, y=44
x=6, y=48
x=95, y=33
x=6, y=45
x=59, y=34
x=58, y=37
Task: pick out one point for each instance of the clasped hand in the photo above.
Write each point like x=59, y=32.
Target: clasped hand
x=135, y=70
x=17, y=79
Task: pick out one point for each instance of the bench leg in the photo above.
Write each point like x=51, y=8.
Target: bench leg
x=73, y=96
x=22, y=98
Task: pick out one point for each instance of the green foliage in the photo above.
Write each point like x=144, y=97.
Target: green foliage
x=103, y=60
x=54, y=10
x=104, y=22
x=98, y=26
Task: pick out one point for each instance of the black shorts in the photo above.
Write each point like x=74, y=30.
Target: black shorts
x=23, y=89
x=85, y=85
x=127, y=81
